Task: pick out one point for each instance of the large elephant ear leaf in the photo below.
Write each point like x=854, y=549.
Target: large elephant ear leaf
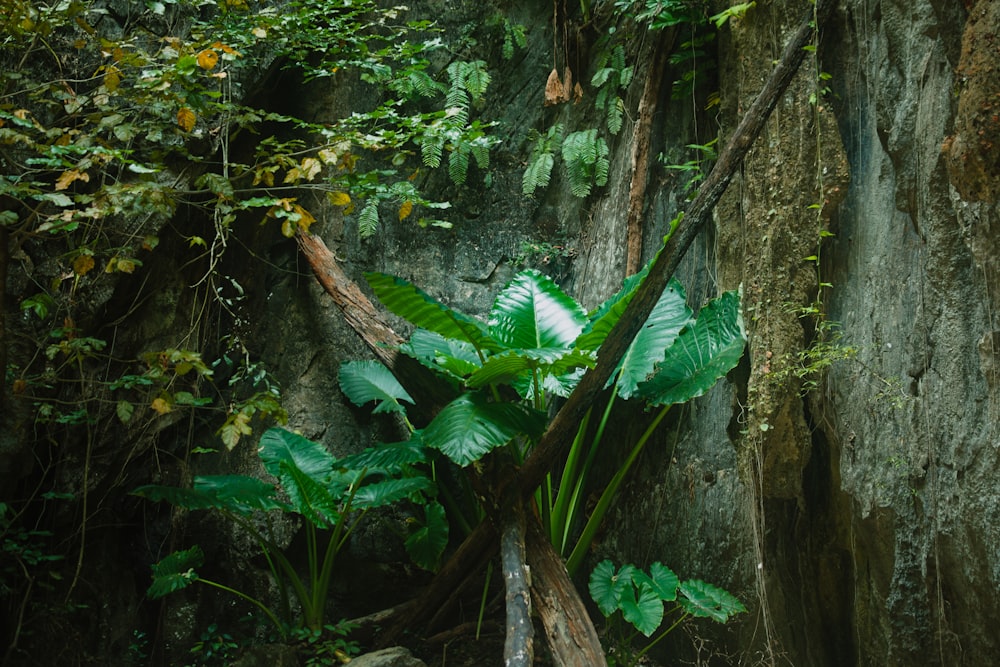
x=278, y=446
x=175, y=572
x=669, y=316
x=453, y=358
x=422, y=310
x=470, y=427
x=532, y=312
x=426, y=544
x=366, y=381
x=701, y=354
x=234, y=493
x=707, y=601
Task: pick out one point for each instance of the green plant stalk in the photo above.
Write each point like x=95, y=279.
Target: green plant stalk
x=663, y=634
x=573, y=501
x=482, y=599
x=260, y=605
x=563, y=507
x=594, y=522
x=321, y=584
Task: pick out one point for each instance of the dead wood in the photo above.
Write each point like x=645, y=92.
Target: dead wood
x=518, y=649
x=641, y=139
x=569, y=632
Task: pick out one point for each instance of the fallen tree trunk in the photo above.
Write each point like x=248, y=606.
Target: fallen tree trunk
x=569, y=632
x=518, y=648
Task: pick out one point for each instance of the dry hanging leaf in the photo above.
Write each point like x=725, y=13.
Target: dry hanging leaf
x=82, y=264
x=405, y=210
x=161, y=406
x=554, y=92
x=577, y=93
x=567, y=84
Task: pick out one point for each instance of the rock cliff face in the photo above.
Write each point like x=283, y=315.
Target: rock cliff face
x=843, y=481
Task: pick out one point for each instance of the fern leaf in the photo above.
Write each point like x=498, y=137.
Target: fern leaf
x=481, y=152
x=476, y=79
x=616, y=113
x=431, y=149
x=537, y=174
x=458, y=165
x=368, y=220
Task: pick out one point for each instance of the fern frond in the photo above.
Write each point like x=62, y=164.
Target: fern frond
x=368, y=220
x=431, y=149
x=458, y=164
x=538, y=173
x=476, y=79
x=585, y=156
x=616, y=113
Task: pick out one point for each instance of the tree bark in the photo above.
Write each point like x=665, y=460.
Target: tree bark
x=641, y=139
x=570, y=634
x=518, y=648
x=373, y=328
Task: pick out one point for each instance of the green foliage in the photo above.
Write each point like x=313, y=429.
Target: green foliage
x=513, y=35
x=536, y=342
x=214, y=647
x=632, y=596
x=328, y=495
x=327, y=647
x=611, y=76
x=585, y=156
x=542, y=158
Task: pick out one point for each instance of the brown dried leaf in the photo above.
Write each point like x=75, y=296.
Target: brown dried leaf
x=554, y=92
x=186, y=119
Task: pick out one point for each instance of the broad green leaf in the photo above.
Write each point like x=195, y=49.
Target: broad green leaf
x=532, y=312
x=389, y=491
x=661, y=580
x=708, y=601
x=426, y=544
x=450, y=357
x=644, y=611
x=279, y=446
x=387, y=458
x=602, y=586
x=246, y=493
x=175, y=572
x=420, y=309
x=669, y=316
x=508, y=367
x=309, y=497
x=701, y=354
x=470, y=427
x=235, y=493
x=366, y=381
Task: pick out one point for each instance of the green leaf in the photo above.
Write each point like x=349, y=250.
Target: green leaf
x=309, y=497
x=452, y=358
x=387, y=458
x=422, y=310
x=702, y=353
x=603, y=587
x=661, y=580
x=426, y=544
x=645, y=610
x=707, y=601
x=175, y=572
x=389, y=491
x=470, y=427
x=279, y=446
x=669, y=316
x=366, y=381
x=531, y=312
x=235, y=493
x=606, y=316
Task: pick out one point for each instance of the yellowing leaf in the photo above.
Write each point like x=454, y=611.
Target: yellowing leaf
x=340, y=198
x=69, y=176
x=405, y=210
x=293, y=175
x=236, y=426
x=259, y=32
x=186, y=119
x=265, y=176
x=287, y=228
x=126, y=265
x=161, y=406
x=226, y=49
x=310, y=167
x=305, y=218
x=82, y=264
x=208, y=59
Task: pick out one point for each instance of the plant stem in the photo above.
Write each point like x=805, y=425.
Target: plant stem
x=260, y=605
x=662, y=635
